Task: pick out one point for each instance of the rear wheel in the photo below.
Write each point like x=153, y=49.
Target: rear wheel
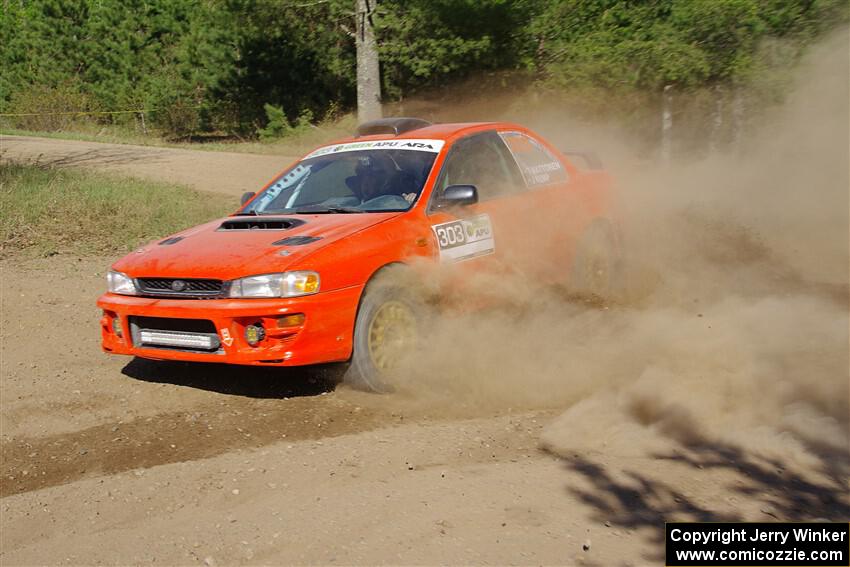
x=386, y=334
x=596, y=266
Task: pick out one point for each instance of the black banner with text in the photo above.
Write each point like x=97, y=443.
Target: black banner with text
x=819, y=544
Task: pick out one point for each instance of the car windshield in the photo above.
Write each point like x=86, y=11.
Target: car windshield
x=356, y=177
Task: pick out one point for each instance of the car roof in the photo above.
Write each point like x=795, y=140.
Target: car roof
x=447, y=131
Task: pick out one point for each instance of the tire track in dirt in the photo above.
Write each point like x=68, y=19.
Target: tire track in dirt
x=34, y=463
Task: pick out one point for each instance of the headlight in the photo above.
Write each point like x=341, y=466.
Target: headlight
x=287, y=284
x=120, y=283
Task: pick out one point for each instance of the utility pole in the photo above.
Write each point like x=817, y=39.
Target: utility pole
x=714, y=140
x=368, y=71
x=666, y=124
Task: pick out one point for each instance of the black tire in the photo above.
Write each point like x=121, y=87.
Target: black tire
x=596, y=272
x=386, y=308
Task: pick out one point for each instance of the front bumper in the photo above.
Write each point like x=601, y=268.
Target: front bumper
x=324, y=336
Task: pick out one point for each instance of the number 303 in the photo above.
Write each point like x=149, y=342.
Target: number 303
x=450, y=235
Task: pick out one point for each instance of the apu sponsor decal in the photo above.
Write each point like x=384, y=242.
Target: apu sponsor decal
x=465, y=239
x=416, y=145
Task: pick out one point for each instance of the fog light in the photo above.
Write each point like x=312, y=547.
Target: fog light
x=116, y=326
x=254, y=334
x=294, y=320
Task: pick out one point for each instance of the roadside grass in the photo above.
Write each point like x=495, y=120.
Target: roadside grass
x=87, y=132
x=46, y=211
x=295, y=144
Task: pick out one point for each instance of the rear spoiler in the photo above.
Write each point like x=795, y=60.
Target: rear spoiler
x=591, y=160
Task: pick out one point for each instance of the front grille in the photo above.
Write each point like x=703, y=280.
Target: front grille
x=178, y=287
x=191, y=335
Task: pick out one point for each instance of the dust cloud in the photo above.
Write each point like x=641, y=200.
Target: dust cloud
x=734, y=325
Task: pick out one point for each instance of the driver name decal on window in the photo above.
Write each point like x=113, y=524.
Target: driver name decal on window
x=538, y=165
x=542, y=173
x=417, y=145
x=465, y=239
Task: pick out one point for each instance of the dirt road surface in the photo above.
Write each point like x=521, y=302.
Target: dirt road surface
x=220, y=172
x=109, y=460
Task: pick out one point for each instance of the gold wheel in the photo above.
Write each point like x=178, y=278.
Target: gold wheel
x=594, y=265
x=598, y=268
x=392, y=332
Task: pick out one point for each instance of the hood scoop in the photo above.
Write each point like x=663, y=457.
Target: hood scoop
x=255, y=223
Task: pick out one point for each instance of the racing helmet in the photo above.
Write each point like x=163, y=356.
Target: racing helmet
x=371, y=176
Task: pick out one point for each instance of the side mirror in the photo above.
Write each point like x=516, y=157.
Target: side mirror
x=458, y=195
x=247, y=196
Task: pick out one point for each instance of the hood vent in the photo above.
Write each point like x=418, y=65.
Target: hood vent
x=296, y=240
x=255, y=223
x=170, y=241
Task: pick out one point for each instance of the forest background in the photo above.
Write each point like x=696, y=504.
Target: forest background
x=248, y=69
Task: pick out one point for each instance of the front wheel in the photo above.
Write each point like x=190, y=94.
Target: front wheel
x=386, y=334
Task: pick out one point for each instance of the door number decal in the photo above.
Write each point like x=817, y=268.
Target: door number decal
x=465, y=239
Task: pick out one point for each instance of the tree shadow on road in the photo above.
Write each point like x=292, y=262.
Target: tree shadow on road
x=247, y=381
x=785, y=493
x=634, y=500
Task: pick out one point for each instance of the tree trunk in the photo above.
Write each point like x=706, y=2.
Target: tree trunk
x=368, y=72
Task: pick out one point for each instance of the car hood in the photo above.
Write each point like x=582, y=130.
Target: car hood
x=235, y=247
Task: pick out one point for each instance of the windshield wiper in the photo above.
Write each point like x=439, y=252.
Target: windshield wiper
x=328, y=210
x=251, y=213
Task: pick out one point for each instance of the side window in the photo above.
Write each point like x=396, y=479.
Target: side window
x=484, y=161
x=538, y=165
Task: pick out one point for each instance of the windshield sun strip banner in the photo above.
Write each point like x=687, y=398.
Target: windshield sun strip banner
x=433, y=146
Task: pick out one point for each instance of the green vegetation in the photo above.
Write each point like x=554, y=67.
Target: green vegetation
x=48, y=211
x=278, y=125
x=648, y=45
x=267, y=68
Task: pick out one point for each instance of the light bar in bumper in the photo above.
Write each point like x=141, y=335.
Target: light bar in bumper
x=179, y=339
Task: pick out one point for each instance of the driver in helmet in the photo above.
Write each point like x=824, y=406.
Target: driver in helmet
x=374, y=182
x=371, y=178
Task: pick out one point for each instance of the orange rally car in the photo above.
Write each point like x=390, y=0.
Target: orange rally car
x=298, y=275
